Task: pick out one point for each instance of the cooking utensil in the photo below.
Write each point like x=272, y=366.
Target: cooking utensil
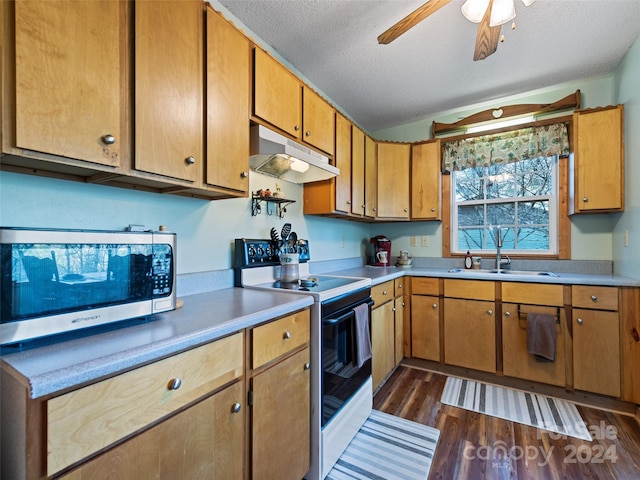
x=274, y=235
x=286, y=230
x=293, y=241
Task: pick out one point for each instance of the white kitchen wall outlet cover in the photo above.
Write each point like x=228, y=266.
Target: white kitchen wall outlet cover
x=540, y=411
x=388, y=447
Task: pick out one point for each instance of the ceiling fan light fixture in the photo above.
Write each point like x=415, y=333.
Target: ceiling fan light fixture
x=473, y=10
x=503, y=11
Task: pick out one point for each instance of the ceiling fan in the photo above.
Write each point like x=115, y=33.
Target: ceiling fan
x=489, y=14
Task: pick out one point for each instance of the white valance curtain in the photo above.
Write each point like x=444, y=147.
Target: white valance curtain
x=506, y=147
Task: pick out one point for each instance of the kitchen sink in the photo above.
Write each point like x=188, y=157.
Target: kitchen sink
x=506, y=272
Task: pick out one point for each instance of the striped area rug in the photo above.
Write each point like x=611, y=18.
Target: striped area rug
x=539, y=411
x=387, y=448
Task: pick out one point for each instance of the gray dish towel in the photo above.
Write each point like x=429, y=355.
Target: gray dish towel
x=541, y=336
x=363, y=338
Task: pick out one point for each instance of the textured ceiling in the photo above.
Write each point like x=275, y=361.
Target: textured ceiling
x=430, y=68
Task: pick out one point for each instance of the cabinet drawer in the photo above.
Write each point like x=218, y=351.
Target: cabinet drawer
x=532, y=294
x=425, y=286
x=398, y=287
x=471, y=289
x=273, y=339
x=382, y=293
x=86, y=420
x=599, y=298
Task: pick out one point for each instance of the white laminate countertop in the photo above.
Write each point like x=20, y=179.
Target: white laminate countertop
x=204, y=317
x=383, y=274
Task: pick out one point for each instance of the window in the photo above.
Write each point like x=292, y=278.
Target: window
x=519, y=197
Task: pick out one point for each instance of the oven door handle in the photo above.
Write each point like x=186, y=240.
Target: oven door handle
x=344, y=316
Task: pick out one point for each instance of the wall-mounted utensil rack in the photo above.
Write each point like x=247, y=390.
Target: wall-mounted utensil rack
x=272, y=204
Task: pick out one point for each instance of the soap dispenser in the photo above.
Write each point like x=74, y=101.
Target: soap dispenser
x=468, y=261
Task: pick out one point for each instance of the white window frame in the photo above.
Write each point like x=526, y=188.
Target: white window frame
x=552, y=198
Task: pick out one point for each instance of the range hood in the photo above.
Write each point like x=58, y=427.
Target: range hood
x=278, y=156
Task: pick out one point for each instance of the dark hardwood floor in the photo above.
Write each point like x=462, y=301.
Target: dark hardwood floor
x=475, y=446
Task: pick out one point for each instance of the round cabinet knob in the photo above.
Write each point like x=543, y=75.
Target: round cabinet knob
x=375, y=209
x=244, y=174
x=580, y=321
x=348, y=202
x=287, y=335
x=400, y=286
x=394, y=309
x=236, y=407
x=109, y=139
x=307, y=366
x=307, y=133
x=594, y=298
x=174, y=384
x=433, y=209
x=585, y=199
x=435, y=305
x=402, y=304
x=189, y=160
x=406, y=210
x=384, y=292
x=489, y=312
x=507, y=314
x=296, y=128
x=363, y=205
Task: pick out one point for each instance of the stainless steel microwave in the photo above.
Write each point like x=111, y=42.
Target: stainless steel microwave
x=55, y=281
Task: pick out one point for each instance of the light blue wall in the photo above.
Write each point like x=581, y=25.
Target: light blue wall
x=626, y=260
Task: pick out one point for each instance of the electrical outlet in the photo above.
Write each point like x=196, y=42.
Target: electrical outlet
x=414, y=241
x=425, y=240
x=626, y=238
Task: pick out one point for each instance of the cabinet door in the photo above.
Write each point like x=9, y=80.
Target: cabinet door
x=425, y=181
x=370, y=177
x=169, y=88
x=599, y=160
x=470, y=334
x=425, y=327
x=70, y=97
x=357, y=171
x=277, y=94
x=206, y=440
x=318, y=121
x=281, y=420
x=596, y=351
x=382, y=342
x=399, y=330
x=228, y=88
x=343, y=162
x=393, y=180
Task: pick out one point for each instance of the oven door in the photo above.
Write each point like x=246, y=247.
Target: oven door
x=341, y=377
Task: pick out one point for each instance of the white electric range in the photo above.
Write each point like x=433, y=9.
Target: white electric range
x=341, y=392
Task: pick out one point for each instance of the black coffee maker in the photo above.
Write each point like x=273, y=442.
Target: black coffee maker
x=380, y=251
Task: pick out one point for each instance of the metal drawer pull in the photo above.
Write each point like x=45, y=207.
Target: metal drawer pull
x=287, y=335
x=489, y=312
x=109, y=139
x=307, y=366
x=190, y=160
x=236, y=407
x=384, y=292
x=507, y=314
x=244, y=174
x=174, y=384
x=580, y=321
x=435, y=305
x=594, y=298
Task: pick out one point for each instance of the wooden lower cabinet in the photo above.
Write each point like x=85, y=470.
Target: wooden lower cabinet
x=470, y=334
x=382, y=342
x=204, y=441
x=425, y=327
x=280, y=420
x=517, y=362
x=596, y=351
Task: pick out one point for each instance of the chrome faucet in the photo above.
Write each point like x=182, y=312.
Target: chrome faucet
x=498, y=247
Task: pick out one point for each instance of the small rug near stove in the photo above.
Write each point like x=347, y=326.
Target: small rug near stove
x=387, y=448
x=531, y=409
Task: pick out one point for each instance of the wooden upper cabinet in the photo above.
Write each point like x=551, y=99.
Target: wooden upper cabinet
x=70, y=92
x=425, y=181
x=370, y=177
x=277, y=94
x=318, y=121
x=357, y=171
x=228, y=105
x=393, y=180
x=598, y=163
x=342, y=160
x=169, y=88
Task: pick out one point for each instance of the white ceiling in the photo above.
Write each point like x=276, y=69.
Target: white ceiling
x=430, y=68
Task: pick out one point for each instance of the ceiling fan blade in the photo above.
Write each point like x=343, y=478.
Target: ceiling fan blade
x=411, y=20
x=487, y=37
